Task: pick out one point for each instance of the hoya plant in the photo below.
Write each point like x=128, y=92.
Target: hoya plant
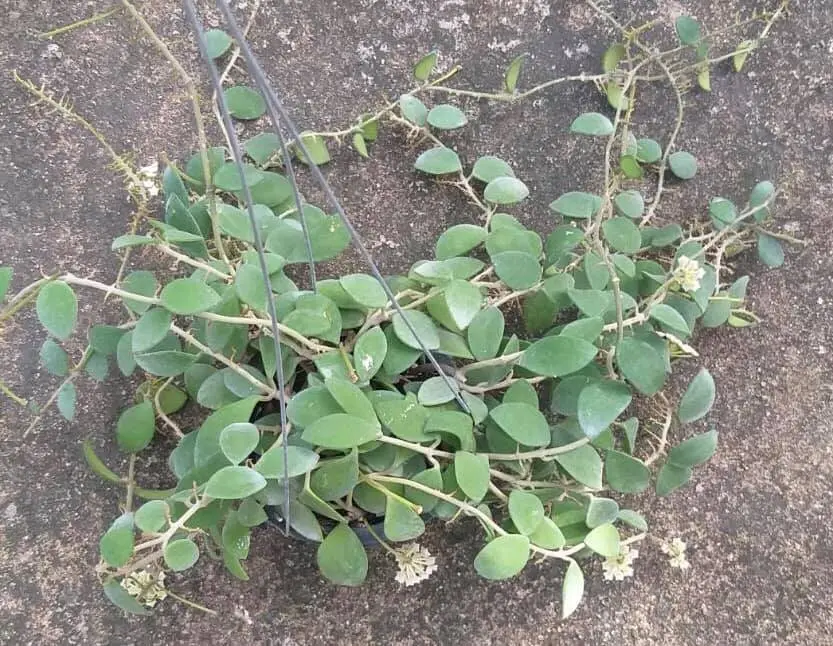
x=423, y=397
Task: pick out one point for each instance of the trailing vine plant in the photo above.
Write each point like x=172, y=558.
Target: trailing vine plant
x=531, y=432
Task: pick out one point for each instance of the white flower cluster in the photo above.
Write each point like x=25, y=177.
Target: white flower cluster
x=676, y=550
x=415, y=564
x=616, y=568
x=147, y=587
x=147, y=180
x=688, y=274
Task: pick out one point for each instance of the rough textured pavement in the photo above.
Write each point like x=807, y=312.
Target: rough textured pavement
x=755, y=517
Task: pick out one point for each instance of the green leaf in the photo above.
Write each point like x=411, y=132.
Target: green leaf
x=118, y=596
x=186, y=296
x=129, y=240
x=430, y=478
x=599, y=404
x=523, y=423
x=425, y=65
x=57, y=309
x=359, y=144
x=604, y=540
x=341, y=557
x=316, y=147
x=572, y=590
x=300, y=460
x=438, y=161
x=503, y=557
x=135, y=427
x=217, y=42
x=153, y=326
x=66, y=400
x=601, y=511
x=617, y=99
x=446, y=117
x=698, y=398
x=459, y=240
x=181, y=554
x=335, y=478
x=303, y=521
x=577, y=204
x=526, y=511
x=244, y=102
x=630, y=204
x=97, y=366
x=622, y=234
x=770, y=251
x=340, y=431
x=261, y=148
x=510, y=77
x=518, y=269
x=548, y=535
x=437, y=390
x=693, y=451
x=555, y=356
x=489, y=168
x=351, y=398
x=472, y=473
x=238, y=440
x=626, y=474
x=670, y=319
x=405, y=418
x=116, y=545
x=104, y=339
x=485, y=333
x=648, y=151
x=722, y=211
x=369, y=353
x=54, y=358
x=742, y=53
x=612, y=56
x=505, y=190
x=227, y=177
x=521, y=392
x=208, y=436
x=424, y=327
x=683, y=164
x=583, y=464
x=641, y=365
x=234, y=483
x=365, y=290
x=413, y=109
x=634, y=519
x=152, y=516
x=457, y=305
x=688, y=30
x=629, y=165
x=166, y=363
x=671, y=477
x=704, y=78
x=5, y=281
x=142, y=283
x=401, y=522
x=592, y=123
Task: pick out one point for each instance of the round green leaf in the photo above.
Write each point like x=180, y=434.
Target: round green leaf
x=165, y=363
x=402, y=523
x=341, y=557
x=604, y=540
x=698, y=398
x=438, y=161
x=601, y=511
x=437, y=390
x=555, y=356
x=648, y=151
x=693, y=451
x=459, y=240
x=351, y=398
x=135, y=427
x=457, y=304
x=488, y=168
x=577, y=204
x=181, y=554
x=503, y=557
x=518, y=269
x=234, y=483
x=722, y=211
x=472, y=473
x=626, y=474
x=187, y=296
x=523, y=423
x=683, y=164
x=641, y=365
x=369, y=353
x=54, y=358
x=217, y=42
x=244, y=102
x=153, y=326
x=670, y=319
x=413, y=109
x=139, y=282
x=300, y=460
x=592, y=123
x=365, y=290
x=572, y=589
x=485, y=333
x=622, y=234
x=526, y=511
x=340, y=431
x=446, y=117
x=152, y=516
x=430, y=478
x=583, y=464
x=629, y=204
x=116, y=545
x=630, y=167
x=760, y=193
x=426, y=331
x=505, y=190
x=688, y=30
x=227, y=177
x=425, y=65
x=238, y=440
x=770, y=251
x=57, y=309
x=612, y=56
x=600, y=403
x=671, y=477
x=67, y=397
x=548, y=535
x=634, y=519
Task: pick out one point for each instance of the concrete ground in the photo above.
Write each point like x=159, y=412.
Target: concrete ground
x=756, y=517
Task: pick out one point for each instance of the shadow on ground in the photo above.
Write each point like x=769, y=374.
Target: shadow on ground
x=755, y=517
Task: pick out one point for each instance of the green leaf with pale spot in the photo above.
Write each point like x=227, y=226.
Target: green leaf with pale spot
x=369, y=353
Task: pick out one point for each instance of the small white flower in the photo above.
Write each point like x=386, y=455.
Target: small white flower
x=688, y=274
x=147, y=587
x=415, y=564
x=147, y=180
x=676, y=550
x=618, y=567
